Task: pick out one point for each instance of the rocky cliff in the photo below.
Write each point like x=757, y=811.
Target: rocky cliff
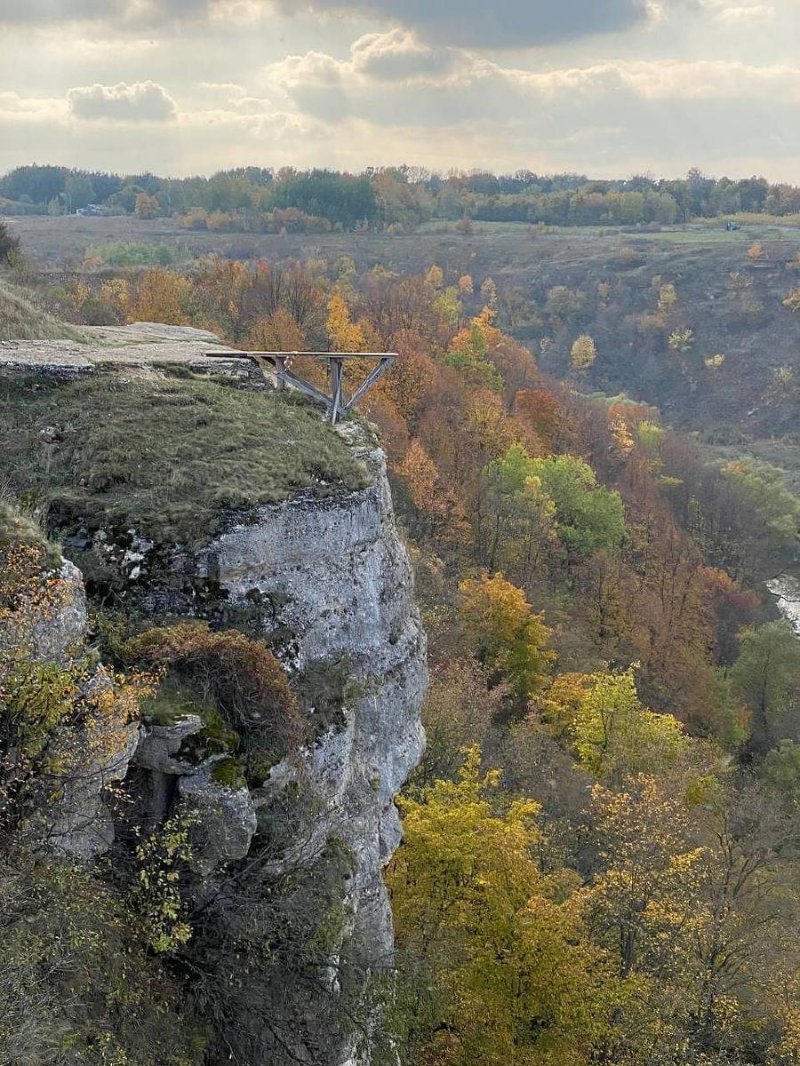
x=324, y=579
x=342, y=583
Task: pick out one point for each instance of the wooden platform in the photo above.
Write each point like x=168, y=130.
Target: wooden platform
x=336, y=403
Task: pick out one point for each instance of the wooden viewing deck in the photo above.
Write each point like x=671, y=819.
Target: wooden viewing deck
x=336, y=403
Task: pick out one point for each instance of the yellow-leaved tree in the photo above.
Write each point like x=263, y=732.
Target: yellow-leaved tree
x=508, y=637
x=344, y=334
x=161, y=296
x=583, y=352
x=613, y=734
x=497, y=966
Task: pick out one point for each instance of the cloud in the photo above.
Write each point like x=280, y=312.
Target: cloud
x=462, y=23
x=736, y=13
x=142, y=101
x=12, y=11
x=30, y=109
x=392, y=80
x=115, y=12
x=399, y=56
x=496, y=24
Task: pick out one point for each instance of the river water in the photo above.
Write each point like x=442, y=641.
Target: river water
x=787, y=590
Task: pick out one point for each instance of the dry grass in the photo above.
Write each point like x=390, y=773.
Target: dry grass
x=21, y=319
x=166, y=457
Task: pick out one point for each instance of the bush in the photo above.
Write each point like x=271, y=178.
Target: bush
x=237, y=677
x=9, y=245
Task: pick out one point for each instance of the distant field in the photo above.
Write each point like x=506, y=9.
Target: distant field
x=55, y=242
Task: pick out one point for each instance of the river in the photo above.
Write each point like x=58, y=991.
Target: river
x=787, y=590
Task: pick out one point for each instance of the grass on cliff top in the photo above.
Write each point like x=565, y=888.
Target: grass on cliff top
x=21, y=319
x=167, y=458
x=18, y=528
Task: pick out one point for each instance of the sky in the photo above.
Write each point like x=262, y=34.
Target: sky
x=609, y=88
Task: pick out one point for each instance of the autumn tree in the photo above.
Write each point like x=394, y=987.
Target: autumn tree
x=583, y=353
x=643, y=898
x=667, y=299
x=613, y=734
x=435, y=277
x=421, y=476
x=497, y=968
x=505, y=633
x=344, y=335
x=681, y=339
x=161, y=296
x=278, y=332
x=469, y=348
x=146, y=207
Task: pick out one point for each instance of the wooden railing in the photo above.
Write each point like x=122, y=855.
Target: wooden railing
x=336, y=403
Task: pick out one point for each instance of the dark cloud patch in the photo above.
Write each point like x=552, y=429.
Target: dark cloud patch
x=14, y=11
x=119, y=13
x=492, y=23
x=140, y=102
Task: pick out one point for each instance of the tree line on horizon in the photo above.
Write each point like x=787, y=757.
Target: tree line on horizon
x=260, y=199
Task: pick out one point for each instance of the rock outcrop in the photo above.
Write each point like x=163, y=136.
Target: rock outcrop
x=327, y=579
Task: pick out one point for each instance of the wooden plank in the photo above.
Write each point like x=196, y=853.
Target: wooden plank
x=302, y=355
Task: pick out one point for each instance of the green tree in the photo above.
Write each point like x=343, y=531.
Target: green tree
x=588, y=517
x=766, y=676
x=78, y=191
x=9, y=245
x=518, y=522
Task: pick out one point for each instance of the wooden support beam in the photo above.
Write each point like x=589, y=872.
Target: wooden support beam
x=336, y=386
x=369, y=381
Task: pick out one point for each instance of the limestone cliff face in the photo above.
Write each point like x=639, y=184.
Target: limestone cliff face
x=341, y=587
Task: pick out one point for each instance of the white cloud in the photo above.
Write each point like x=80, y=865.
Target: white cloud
x=389, y=77
x=399, y=56
x=142, y=101
x=30, y=109
x=735, y=13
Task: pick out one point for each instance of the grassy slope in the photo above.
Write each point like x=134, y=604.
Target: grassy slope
x=727, y=405
x=20, y=319
x=166, y=457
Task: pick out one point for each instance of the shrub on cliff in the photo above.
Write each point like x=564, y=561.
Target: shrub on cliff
x=235, y=683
